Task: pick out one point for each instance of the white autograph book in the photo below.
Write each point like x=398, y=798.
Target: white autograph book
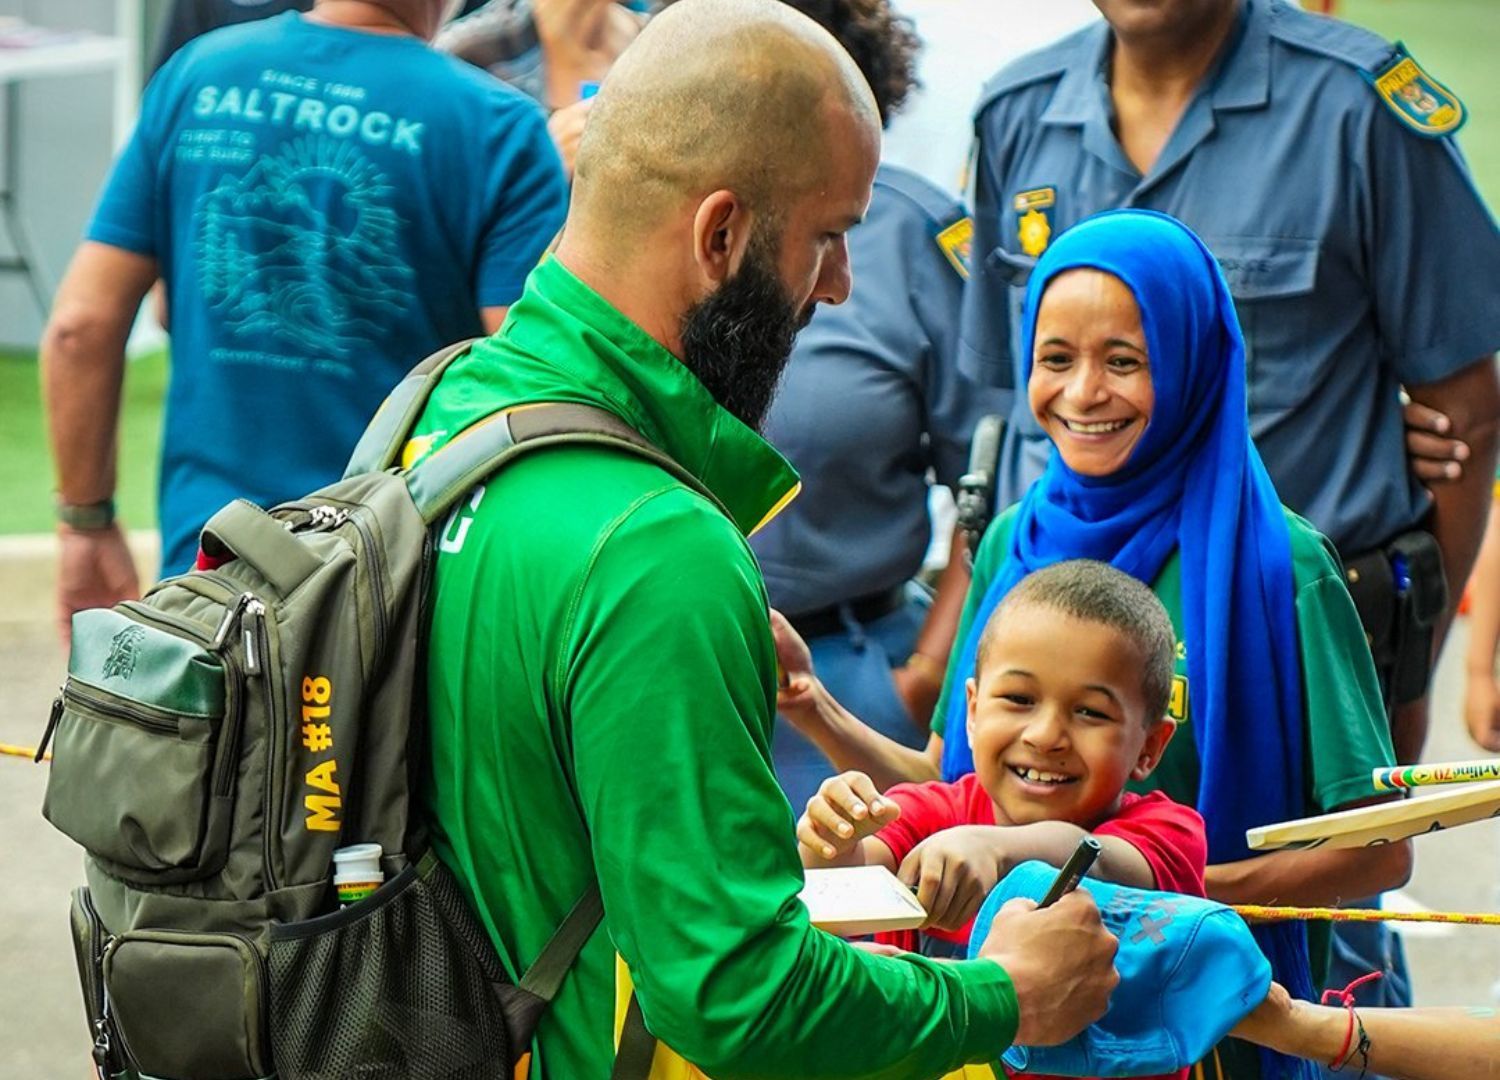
x=851, y=901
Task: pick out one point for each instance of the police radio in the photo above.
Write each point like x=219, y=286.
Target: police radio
x=975, y=497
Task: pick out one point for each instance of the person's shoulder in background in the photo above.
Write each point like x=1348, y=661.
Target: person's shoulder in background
x=901, y=188
x=188, y=19
x=1031, y=80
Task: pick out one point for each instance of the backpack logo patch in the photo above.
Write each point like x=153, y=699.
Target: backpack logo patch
x=124, y=647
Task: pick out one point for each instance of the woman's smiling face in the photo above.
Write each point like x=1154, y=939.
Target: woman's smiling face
x=1090, y=386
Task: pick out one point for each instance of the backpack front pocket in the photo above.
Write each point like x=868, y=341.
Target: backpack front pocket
x=189, y=1005
x=142, y=771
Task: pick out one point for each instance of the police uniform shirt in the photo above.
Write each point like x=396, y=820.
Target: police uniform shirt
x=871, y=400
x=1312, y=162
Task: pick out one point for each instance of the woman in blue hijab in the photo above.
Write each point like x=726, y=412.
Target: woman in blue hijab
x=1134, y=365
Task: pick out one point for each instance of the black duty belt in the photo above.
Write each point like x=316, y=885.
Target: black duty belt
x=821, y=622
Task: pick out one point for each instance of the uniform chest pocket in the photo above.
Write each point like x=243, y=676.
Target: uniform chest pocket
x=1273, y=281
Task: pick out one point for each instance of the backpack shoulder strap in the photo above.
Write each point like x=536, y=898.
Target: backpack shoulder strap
x=442, y=478
x=546, y=972
x=380, y=446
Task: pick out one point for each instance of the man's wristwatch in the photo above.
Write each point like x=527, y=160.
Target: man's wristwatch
x=89, y=517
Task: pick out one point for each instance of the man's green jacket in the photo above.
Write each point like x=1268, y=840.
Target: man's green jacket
x=602, y=692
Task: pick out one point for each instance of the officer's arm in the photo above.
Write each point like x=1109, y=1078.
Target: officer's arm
x=1471, y=401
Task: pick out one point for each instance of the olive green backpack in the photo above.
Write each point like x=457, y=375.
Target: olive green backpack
x=216, y=741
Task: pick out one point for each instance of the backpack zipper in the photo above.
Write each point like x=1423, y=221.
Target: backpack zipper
x=257, y=636
x=376, y=585
x=103, y=1049
x=142, y=716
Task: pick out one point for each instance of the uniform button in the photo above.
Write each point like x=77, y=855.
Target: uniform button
x=1353, y=576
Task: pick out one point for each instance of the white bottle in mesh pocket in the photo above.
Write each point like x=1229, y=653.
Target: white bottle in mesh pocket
x=356, y=872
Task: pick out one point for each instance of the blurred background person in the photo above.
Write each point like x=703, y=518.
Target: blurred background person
x=320, y=228
x=872, y=412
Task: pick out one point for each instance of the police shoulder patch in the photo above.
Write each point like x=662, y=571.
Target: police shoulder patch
x=1418, y=100
x=954, y=242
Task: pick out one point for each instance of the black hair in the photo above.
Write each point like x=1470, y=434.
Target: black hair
x=1096, y=592
x=884, y=45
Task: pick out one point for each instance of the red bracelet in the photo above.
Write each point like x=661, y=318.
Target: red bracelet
x=1345, y=998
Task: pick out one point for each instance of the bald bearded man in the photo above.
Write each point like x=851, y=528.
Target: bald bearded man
x=602, y=674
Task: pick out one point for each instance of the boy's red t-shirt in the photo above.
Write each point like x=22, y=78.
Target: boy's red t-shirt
x=1169, y=835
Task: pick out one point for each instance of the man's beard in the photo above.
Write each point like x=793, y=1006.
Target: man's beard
x=738, y=339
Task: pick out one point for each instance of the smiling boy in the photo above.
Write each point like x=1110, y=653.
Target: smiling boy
x=1068, y=702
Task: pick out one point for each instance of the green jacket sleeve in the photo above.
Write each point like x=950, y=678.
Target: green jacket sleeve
x=668, y=681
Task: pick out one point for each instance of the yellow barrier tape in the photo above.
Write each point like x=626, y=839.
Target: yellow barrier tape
x=22, y=751
x=1259, y=913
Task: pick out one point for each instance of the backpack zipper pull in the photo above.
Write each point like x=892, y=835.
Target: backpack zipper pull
x=57, y=710
x=227, y=623
x=256, y=612
x=103, y=1049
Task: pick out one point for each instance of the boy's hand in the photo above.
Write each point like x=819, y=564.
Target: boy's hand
x=846, y=809
x=1061, y=963
x=953, y=871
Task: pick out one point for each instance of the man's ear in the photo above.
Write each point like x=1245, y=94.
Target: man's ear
x=971, y=693
x=1153, y=748
x=721, y=233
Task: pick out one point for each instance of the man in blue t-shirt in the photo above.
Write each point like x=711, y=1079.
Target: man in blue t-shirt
x=328, y=200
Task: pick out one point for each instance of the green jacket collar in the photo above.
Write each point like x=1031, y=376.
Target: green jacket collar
x=563, y=341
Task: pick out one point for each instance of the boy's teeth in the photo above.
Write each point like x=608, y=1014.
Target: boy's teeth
x=1037, y=776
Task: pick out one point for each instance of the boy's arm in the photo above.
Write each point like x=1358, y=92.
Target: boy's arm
x=1120, y=861
x=954, y=870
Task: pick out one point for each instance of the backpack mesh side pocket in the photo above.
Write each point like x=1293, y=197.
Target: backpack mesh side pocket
x=404, y=985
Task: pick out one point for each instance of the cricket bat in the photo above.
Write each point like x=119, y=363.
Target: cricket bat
x=1384, y=823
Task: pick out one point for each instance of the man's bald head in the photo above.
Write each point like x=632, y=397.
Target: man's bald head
x=739, y=95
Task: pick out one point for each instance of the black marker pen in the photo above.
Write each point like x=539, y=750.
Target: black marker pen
x=1078, y=864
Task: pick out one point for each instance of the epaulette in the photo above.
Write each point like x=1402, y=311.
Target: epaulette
x=1334, y=38
x=1048, y=62
x=1419, y=101
x=948, y=223
x=936, y=205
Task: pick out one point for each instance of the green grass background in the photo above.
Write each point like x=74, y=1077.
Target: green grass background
x=1450, y=38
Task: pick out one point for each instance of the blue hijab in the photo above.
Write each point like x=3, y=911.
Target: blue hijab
x=1195, y=484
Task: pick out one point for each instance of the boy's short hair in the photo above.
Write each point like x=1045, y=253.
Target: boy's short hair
x=1097, y=592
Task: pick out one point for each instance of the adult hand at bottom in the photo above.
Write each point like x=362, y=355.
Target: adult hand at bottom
x=1061, y=961
x=94, y=569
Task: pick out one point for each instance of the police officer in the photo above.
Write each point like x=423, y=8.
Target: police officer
x=872, y=407
x=1317, y=162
